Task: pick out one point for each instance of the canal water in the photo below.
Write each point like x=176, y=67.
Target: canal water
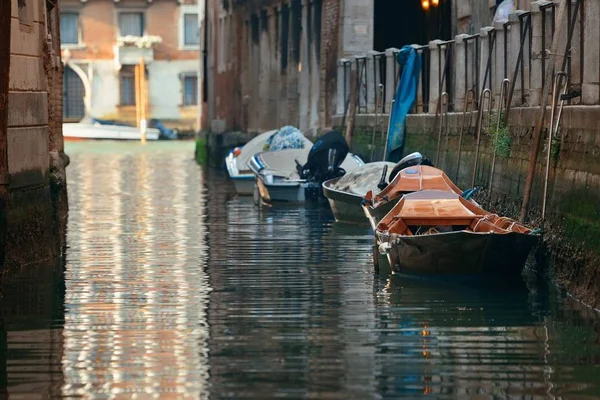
x=172, y=287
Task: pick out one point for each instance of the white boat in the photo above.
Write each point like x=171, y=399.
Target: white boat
x=237, y=165
x=296, y=175
x=106, y=132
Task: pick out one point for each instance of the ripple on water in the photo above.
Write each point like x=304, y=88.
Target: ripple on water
x=176, y=288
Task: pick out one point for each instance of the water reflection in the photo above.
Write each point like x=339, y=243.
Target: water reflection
x=136, y=281
x=294, y=310
x=297, y=312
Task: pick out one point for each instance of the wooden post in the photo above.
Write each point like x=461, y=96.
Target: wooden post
x=143, y=122
x=138, y=115
x=352, y=106
x=5, y=26
x=537, y=131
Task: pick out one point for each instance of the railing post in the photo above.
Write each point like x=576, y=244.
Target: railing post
x=371, y=79
x=514, y=47
x=390, y=79
x=537, y=53
x=591, y=73
x=484, y=54
x=498, y=76
x=436, y=66
x=342, y=85
x=418, y=107
x=460, y=71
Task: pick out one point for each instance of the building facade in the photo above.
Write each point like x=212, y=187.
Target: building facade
x=103, y=40
x=274, y=62
x=32, y=159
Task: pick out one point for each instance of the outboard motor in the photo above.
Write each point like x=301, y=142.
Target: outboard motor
x=410, y=160
x=325, y=158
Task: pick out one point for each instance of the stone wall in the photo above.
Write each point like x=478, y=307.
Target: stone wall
x=33, y=138
x=572, y=239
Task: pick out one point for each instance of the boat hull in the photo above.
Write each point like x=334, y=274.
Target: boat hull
x=461, y=253
x=244, y=184
x=81, y=131
x=348, y=207
x=281, y=192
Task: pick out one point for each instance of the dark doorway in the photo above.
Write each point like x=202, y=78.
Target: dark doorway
x=73, y=92
x=399, y=23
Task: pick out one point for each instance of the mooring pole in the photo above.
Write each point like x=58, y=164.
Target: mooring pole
x=5, y=27
x=537, y=132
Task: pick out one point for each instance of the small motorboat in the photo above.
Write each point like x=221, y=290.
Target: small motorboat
x=295, y=175
x=237, y=160
x=100, y=131
x=439, y=232
x=346, y=194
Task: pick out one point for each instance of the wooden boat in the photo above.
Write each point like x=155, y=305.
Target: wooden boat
x=345, y=194
x=237, y=162
x=408, y=180
x=440, y=232
x=85, y=131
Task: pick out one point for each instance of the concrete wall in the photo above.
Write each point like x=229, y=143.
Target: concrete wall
x=95, y=58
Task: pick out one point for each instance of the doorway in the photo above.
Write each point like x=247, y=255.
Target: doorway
x=400, y=23
x=73, y=93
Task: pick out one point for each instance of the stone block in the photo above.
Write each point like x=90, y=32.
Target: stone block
x=28, y=159
x=27, y=108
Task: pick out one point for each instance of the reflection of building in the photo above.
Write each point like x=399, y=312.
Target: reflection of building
x=103, y=40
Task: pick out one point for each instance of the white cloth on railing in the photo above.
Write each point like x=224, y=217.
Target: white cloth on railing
x=505, y=8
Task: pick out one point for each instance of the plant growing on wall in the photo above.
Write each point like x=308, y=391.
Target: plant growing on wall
x=142, y=42
x=500, y=136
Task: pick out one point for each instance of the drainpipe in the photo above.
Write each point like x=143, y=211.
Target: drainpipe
x=5, y=26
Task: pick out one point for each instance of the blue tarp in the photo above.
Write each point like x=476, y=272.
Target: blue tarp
x=288, y=137
x=406, y=94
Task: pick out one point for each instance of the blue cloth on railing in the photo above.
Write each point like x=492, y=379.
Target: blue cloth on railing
x=406, y=94
x=287, y=137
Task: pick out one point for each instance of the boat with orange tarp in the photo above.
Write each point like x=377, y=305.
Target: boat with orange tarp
x=439, y=232
x=409, y=180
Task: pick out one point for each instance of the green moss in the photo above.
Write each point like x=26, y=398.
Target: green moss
x=201, y=151
x=500, y=135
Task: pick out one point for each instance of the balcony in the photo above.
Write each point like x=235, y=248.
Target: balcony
x=129, y=50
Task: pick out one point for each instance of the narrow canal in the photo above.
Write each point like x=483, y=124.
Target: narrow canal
x=174, y=287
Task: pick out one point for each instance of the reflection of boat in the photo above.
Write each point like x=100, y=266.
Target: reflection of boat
x=440, y=232
x=346, y=194
x=237, y=162
x=297, y=174
x=97, y=130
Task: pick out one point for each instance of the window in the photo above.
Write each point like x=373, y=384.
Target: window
x=190, y=30
x=190, y=90
x=131, y=24
x=127, y=87
x=69, y=28
x=24, y=16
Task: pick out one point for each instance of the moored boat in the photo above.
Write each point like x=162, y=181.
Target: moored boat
x=345, y=194
x=237, y=160
x=438, y=232
x=85, y=131
x=408, y=180
x=296, y=175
